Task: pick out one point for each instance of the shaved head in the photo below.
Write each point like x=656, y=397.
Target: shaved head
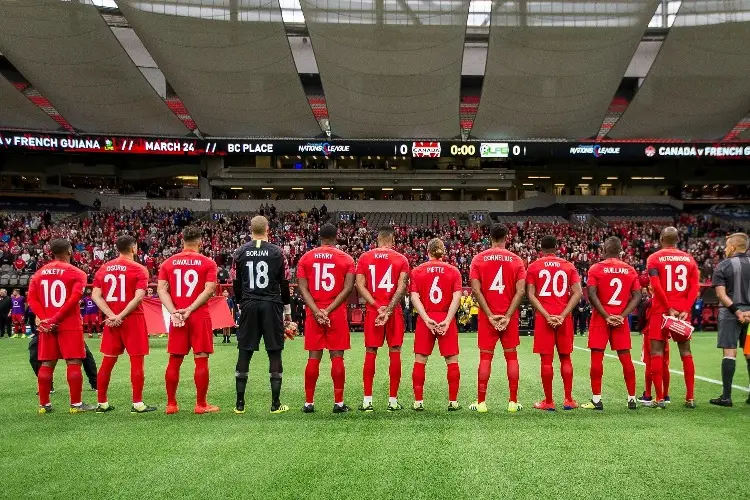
x=259, y=226
x=612, y=246
x=669, y=237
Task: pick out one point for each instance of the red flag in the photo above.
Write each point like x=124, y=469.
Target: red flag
x=221, y=316
x=158, y=321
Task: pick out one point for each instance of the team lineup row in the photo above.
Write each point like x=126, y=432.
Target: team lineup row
x=326, y=275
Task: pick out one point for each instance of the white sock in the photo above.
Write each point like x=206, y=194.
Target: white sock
x=308, y=404
x=596, y=398
x=393, y=401
x=631, y=398
x=76, y=404
x=339, y=404
x=138, y=404
x=453, y=402
x=419, y=402
x=104, y=404
x=367, y=400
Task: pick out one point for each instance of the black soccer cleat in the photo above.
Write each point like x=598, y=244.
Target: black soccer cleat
x=591, y=405
x=239, y=408
x=690, y=403
x=720, y=401
x=632, y=404
x=104, y=409
x=308, y=409
x=142, y=409
x=368, y=408
x=341, y=409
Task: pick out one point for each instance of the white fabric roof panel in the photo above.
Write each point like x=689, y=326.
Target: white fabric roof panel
x=699, y=85
x=69, y=54
x=390, y=68
x=234, y=71
x=16, y=111
x=554, y=67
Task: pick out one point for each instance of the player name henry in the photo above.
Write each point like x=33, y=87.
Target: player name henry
x=117, y=267
x=52, y=272
x=615, y=270
x=323, y=255
x=256, y=253
x=504, y=258
x=674, y=258
x=186, y=262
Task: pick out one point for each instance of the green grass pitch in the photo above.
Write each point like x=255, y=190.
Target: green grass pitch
x=677, y=453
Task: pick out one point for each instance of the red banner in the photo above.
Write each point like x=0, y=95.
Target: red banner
x=157, y=318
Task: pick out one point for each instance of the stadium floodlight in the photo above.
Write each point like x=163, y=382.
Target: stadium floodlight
x=612, y=178
x=387, y=189
x=446, y=189
x=493, y=189
x=266, y=189
x=587, y=178
x=297, y=189
x=236, y=188
x=528, y=184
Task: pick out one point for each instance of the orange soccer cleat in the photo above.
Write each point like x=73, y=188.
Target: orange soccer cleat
x=172, y=409
x=543, y=405
x=199, y=410
x=570, y=404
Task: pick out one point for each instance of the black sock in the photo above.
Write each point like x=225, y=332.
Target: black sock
x=275, y=389
x=727, y=375
x=240, y=374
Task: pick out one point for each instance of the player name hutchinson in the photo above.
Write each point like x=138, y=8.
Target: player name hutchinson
x=52, y=272
x=615, y=270
x=501, y=258
x=187, y=262
x=256, y=253
x=117, y=267
x=674, y=258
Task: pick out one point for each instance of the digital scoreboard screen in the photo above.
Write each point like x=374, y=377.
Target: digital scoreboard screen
x=491, y=150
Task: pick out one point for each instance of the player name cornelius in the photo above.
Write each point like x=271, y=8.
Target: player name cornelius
x=503, y=258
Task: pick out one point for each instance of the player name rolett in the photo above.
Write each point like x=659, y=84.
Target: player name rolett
x=52, y=272
x=256, y=253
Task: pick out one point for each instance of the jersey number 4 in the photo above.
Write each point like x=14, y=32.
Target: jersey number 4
x=386, y=283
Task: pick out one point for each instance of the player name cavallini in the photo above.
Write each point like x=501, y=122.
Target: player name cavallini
x=615, y=270
x=674, y=258
x=256, y=253
x=186, y=262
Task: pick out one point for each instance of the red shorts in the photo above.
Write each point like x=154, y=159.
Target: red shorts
x=196, y=335
x=646, y=350
x=17, y=318
x=653, y=329
x=334, y=337
x=487, y=335
x=546, y=338
x=91, y=318
x=392, y=331
x=64, y=344
x=424, y=340
x=600, y=333
x=131, y=335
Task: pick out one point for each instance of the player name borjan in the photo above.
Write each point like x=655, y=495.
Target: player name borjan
x=117, y=267
x=323, y=256
x=502, y=258
x=256, y=253
x=674, y=258
x=615, y=270
x=52, y=272
x=186, y=262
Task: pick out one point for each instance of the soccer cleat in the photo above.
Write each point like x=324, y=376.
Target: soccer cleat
x=239, y=407
x=81, y=408
x=394, y=407
x=545, y=406
x=690, y=403
x=570, y=404
x=632, y=405
x=591, y=405
x=479, y=407
x=667, y=399
x=171, y=409
x=645, y=400
x=367, y=408
x=454, y=406
x=514, y=407
x=748, y=400
x=14, y=336
x=52, y=391
x=720, y=401
x=308, y=408
x=141, y=408
x=341, y=409
x=279, y=409
x=417, y=406
x=659, y=405
x=44, y=409
x=200, y=410
x=100, y=408
x=162, y=335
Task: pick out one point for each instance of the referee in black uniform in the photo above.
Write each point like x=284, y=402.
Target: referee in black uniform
x=732, y=282
x=261, y=289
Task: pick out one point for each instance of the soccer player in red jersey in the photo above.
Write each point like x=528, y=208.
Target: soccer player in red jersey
x=498, y=278
x=55, y=293
x=124, y=282
x=326, y=279
x=614, y=292
x=435, y=288
x=675, y=281
x=646, y=398
x=554, y=289
x=186, y=281
x=382, y=274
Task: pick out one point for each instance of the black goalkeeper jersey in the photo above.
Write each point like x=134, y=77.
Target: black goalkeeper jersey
x=261, y=273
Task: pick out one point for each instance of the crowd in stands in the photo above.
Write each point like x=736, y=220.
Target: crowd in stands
x=24, y=239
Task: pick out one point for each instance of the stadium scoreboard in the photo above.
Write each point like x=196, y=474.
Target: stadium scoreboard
x=336, y=148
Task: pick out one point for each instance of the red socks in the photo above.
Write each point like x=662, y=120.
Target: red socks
x=394, y=371
x=597, y=372
x=689, y=368
x=137, y=378
x=44, y=384
x=666, y=375
x=628, y=372
x=201, y=380
x=75, y=382
x=656, y=375
x=566, y=371
x=454, y=380
x=172, y=378
x=368, y=373
x=417, y=380
x=102, y=378
x=547, y=375
x=511, y=360
x=483, y=375
x=338, y=375
x=312, y=370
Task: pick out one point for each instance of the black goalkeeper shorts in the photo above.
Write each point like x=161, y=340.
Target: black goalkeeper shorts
x=261, y=320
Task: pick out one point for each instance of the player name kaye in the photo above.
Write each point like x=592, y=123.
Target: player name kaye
x=616, y=270
x=186, y=262
x=674, y=258
x=256, y=253
x=382, y=255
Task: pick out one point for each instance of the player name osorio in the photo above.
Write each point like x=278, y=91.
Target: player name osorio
x=117, y=267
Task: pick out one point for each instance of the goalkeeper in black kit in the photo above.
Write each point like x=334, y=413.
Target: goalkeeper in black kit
x=261, y=289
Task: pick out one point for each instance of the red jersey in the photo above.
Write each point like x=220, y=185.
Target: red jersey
x=325, y=269
x=553, y=279
x=435, y=282
x=614, y=281
x=679, y=277
x=55, y=290
x=381, y=268
x=498, y=270
x=187, y=274
x=119, y=279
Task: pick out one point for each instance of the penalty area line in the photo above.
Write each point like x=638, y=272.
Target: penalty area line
x=676, y=372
